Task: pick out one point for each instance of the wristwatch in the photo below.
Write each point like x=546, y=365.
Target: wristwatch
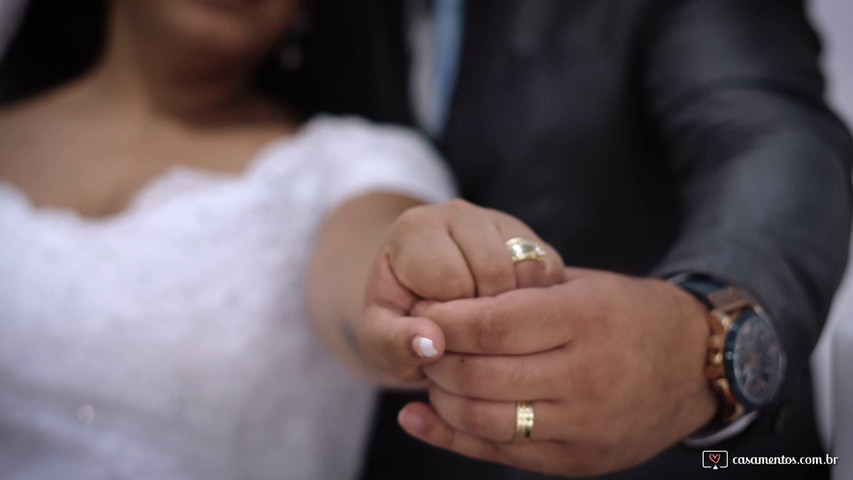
x=746, y=360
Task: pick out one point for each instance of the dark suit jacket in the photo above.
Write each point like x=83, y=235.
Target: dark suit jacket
x=649, y=137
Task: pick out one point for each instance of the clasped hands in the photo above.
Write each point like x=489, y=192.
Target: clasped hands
x=612, y=364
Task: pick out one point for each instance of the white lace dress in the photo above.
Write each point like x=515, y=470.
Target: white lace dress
x=171, y=341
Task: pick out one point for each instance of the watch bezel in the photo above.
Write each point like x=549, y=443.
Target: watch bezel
x=728, y=358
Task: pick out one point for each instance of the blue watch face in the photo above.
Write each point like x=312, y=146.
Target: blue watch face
x=754, y=360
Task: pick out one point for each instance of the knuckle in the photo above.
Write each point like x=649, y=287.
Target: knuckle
x=408, y=218
x=493, y=275
x=455, y=284
x=414, y=217
x=408, y=271
x=430, y=277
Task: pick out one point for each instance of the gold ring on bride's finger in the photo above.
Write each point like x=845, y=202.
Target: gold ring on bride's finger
x=523, y=249
x=523, y=420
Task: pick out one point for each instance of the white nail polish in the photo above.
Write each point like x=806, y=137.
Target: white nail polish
x=425, y=347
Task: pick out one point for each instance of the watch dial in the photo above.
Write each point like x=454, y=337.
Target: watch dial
x=756, y=359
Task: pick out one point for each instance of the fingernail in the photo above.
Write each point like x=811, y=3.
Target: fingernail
x=424, y=347
x=411, y=422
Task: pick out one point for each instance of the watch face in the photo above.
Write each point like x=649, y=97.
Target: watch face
x=754, y=360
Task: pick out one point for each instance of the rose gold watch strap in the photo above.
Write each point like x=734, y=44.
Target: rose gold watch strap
x=730, y=299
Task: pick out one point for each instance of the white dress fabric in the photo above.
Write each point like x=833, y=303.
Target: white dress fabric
x=171, y=341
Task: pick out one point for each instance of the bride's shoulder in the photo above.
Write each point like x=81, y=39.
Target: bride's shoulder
x=357, y=126
x=352, y=133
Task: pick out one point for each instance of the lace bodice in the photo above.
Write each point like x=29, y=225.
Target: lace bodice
x=171, y=341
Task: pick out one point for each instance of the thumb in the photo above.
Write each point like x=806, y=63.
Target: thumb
x=399, y=345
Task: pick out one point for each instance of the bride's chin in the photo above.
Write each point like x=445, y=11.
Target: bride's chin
x=232, y=3
x=218, y=27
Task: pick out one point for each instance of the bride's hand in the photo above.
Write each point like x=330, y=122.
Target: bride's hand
x=443, y=252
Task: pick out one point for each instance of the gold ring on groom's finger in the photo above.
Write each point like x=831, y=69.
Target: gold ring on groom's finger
x=523, y=249
x=523, y=420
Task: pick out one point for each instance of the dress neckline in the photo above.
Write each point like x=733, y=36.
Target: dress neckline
x=268, y=151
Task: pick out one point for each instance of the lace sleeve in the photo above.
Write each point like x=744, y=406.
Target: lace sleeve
x=361, y=157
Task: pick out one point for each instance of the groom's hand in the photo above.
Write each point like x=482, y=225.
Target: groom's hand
x=613, y=366
x=442, y=252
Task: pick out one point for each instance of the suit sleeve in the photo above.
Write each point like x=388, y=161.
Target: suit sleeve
x=762, y=166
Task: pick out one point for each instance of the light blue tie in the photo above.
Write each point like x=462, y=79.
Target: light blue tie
x=448, y=18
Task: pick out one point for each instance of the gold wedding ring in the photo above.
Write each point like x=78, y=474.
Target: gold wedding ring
x=523, y=420
x=523, y=249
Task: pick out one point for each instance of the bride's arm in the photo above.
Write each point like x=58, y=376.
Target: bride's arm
x=345, y=251
x=381, y=253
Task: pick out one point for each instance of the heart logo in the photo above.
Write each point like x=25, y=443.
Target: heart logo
x=714, y=457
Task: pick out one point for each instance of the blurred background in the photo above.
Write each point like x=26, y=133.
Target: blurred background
x=834, y=20
x=10, y=11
